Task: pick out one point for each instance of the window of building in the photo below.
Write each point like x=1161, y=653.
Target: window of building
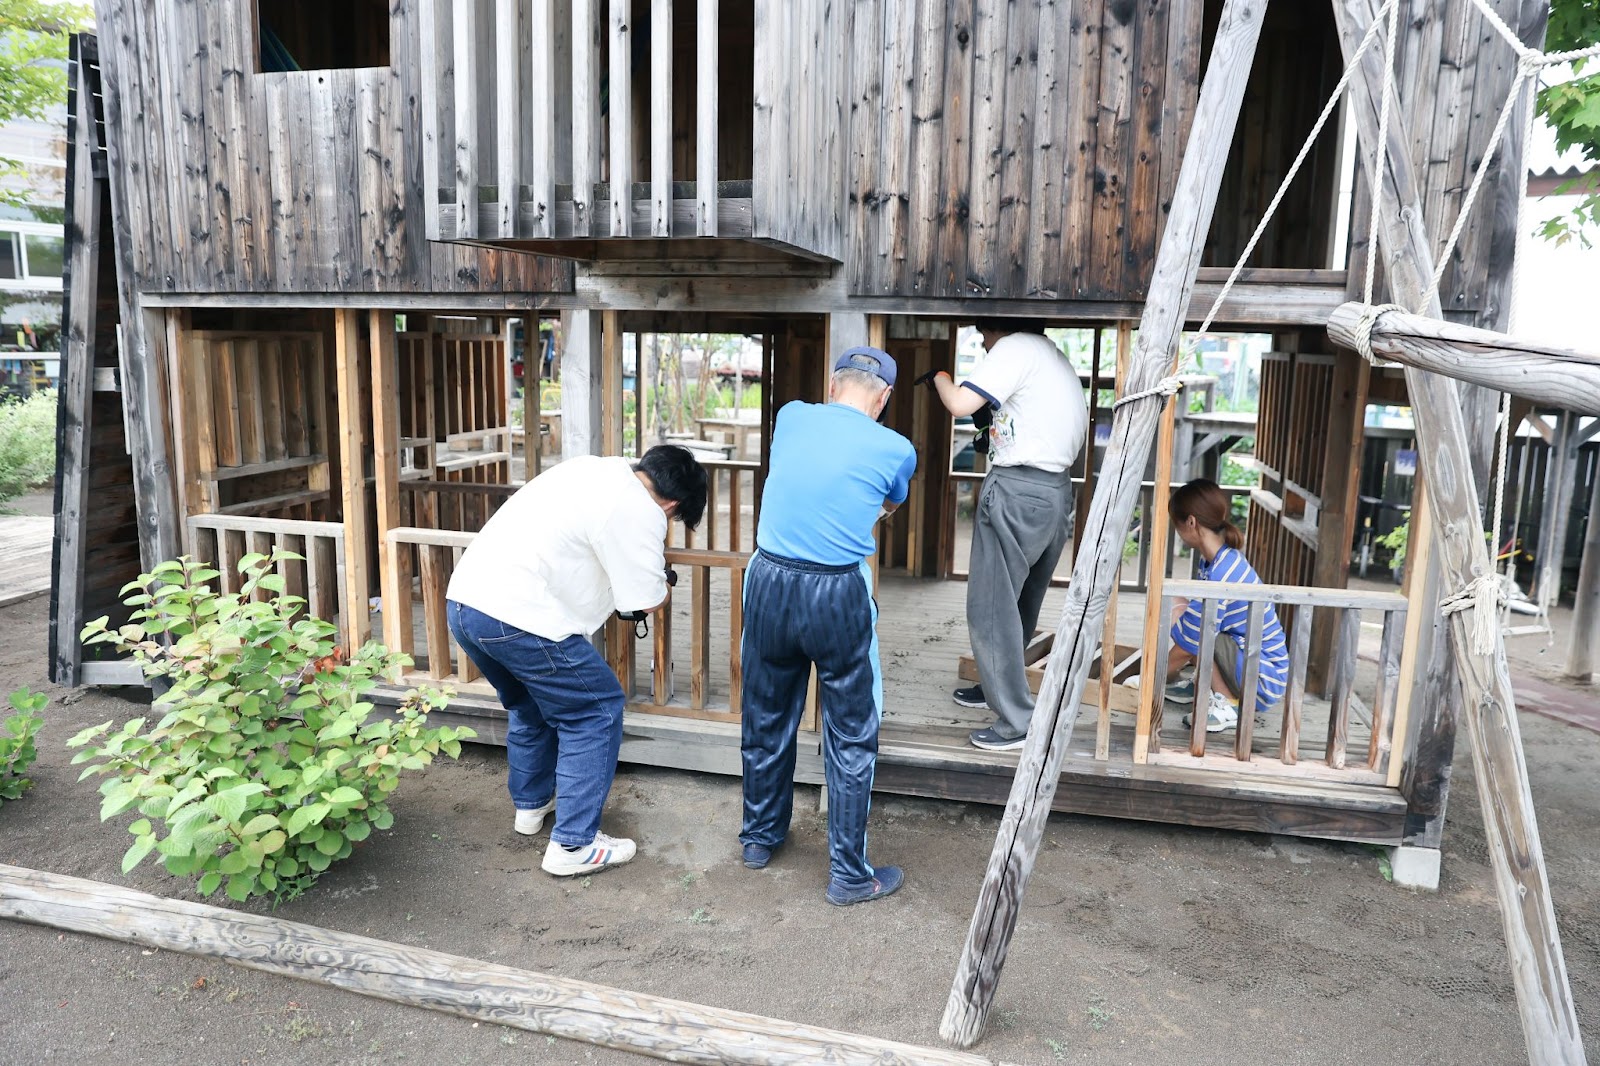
x=45, y=255
x=10, y=256
x=322, y=34
x=30, y=253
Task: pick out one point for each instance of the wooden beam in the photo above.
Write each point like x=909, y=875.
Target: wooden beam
x=610, y=435
x=620, y=119
x=705, y=122
x=1557, y=505
x=585, y=113
x=464, y=29
x=357, y=622
x=660, y=118
x=581, y=426
x=1584, y=651
x=1540, y=372
x=508, y=116
x=395, y=578
x=1133, y=430
x=542, y=115
x=420, y=977
x=1549, y=1018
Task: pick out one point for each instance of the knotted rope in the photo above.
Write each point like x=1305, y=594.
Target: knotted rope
x=1482, y=597
x=1168, y=386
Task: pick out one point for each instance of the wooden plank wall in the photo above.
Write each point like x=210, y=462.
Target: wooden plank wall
x=301, y=182
x=801, y=54
x=1454, y=75
x=1017, y=150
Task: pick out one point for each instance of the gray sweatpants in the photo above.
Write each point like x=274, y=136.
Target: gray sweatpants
x=1017, y=537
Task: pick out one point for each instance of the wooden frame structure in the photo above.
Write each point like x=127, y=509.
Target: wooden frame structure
x=302, y=285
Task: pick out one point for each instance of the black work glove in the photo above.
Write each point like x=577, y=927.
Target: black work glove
x=672, y=578
x=927, y=379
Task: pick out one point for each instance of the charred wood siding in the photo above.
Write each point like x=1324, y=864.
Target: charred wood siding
x=308, y=181
x=1018, y=149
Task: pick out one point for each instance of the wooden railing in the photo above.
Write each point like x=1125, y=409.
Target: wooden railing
x=732, y=503
x=1368, y=765
x=547, y=119
x=318, y=577
x=451, y=504
x=430, y=554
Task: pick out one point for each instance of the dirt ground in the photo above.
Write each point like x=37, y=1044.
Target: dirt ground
x=1139, y=943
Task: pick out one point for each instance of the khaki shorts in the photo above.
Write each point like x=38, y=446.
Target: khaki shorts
x=1228, y=655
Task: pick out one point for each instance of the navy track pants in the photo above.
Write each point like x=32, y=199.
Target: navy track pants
x=796, y=614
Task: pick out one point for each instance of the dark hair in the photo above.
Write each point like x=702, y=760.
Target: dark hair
x=1207, y=504
x=1010, y=325
x=676, y=474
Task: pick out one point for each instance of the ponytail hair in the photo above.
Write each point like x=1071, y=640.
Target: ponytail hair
x=1207, y=504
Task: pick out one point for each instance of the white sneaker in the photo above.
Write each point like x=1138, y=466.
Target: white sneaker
x=600, y=854
x=529, y=822
x=1221, y=713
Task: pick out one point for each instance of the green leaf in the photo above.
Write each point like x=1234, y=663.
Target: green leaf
x=311, y=814
x=240, y=886
x=330, y=843
x=136, y=854
x=357, y=831
x=261, y=823
x=383, y=819
x=234, y=862
x=343, y=794
x=227, y=805
x=140, y=828
x=208, y=883
x=273, y=841
x=318, y=861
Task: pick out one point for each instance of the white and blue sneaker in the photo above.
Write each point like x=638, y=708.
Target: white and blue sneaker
x=602, y=853
x=1221, y=713
x=530, y=821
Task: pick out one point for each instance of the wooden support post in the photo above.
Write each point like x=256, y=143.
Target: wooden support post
x=1152, y=702
x=610, y=435
x=542, y=114
x=705, y=122
x=1340, y=485
x=1133, y=431
x=1549, y=1018
x=357, y=622
x=395, y=578
x=1558, y=490
x=1584, y=651
x=661, y=121
x=620, y=120
x=575, y=1010
x=581, y=384
x=532, y=417
x=1540, y=372
x=464, y=28
x=508, y=118
x=585, y=113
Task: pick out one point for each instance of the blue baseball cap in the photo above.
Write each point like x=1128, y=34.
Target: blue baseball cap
x=874, y=361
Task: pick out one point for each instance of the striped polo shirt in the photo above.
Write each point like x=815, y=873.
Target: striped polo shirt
x=1233, y=618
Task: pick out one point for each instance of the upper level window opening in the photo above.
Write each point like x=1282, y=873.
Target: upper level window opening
x=31, y=254
x=322, y=34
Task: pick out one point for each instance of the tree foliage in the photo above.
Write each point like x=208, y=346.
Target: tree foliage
x=1572, y=108
x=33, y=60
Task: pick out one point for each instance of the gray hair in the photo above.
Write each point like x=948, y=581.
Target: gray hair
x=850, y=377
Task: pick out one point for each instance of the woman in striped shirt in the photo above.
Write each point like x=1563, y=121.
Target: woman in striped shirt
x=1199, y=513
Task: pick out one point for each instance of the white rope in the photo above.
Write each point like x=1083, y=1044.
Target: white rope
x=1380, y=154
x=1370, y=314
x=1168, y=386
x=1526, y=52
x=1482, y=598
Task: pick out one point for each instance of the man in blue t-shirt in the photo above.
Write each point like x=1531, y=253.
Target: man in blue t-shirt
x=808, y=599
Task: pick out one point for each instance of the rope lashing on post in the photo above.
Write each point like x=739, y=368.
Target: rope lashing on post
x=1482, y=597
x=1365, y=325
x=1169, y=386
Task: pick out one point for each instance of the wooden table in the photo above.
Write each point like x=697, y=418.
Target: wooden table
x=736, y=428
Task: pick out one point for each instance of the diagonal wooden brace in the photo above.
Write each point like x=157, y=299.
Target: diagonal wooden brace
x=1549, y=1019
x=1133, y=431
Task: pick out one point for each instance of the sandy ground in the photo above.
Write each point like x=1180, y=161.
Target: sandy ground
x=1138, y=943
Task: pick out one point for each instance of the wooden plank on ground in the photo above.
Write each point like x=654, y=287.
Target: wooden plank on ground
x=576, y=1010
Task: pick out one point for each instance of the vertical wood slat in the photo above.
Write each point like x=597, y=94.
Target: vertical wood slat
x=661, y=118
x=395, y=580
x=435, y=623
x=1250, y=684
x=705, y=175
x=225, y=404
x=661, y=654
x=1205, y=663
x=735, y=510
x=274, y=428
x=1345, y=647
x=1387, y=696
x=508, y=119
x=466, y=670
x=433, y=103
x=466, y=98
x=247, y=382
x=585, y=115
x=1162, y=656
x=700, y=637
x=542, y=116
x=1108, y=663
x=357, y=621
x=620, y=95
x=1294, y=700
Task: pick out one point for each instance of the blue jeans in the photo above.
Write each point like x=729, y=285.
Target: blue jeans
x=564, y=710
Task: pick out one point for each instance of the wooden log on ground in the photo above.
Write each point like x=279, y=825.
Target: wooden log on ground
x=1544, y=999
x=576, y=1010
x=1558, y=376
x=1133, y=432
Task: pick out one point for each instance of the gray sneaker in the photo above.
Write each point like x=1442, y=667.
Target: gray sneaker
x=970, y=697
x=990, y=740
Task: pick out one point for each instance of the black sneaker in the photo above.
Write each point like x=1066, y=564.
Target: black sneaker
x=990, y=740
x=886, y=882
x=971, y=697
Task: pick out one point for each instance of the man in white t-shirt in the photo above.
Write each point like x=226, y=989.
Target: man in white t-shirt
x=580, y=541
x=1039, y=421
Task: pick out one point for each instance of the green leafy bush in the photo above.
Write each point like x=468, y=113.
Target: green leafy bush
x=27, y=443
x=267, y=765
x=16, y=742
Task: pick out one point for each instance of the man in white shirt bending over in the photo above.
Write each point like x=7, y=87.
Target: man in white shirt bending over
x=1040, y=420
x=576, y=543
